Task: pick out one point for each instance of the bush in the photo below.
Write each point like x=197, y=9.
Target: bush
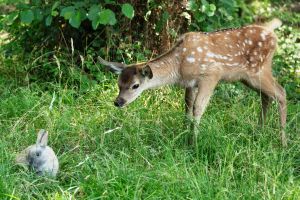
x=126, y=32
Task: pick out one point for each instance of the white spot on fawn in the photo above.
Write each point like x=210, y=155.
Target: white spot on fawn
x=190, y=59
x=263, y=35
x=199, y=49
x=210, y=54
x=184, y=49
x=261, y=58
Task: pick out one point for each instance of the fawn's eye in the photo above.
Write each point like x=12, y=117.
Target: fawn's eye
x=135, y=86
x=37, y=154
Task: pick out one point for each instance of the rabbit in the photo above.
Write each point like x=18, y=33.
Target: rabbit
x=40, y=157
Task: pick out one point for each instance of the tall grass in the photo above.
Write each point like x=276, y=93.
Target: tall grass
x=139, y=152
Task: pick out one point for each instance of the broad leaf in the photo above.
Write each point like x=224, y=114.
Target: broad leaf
x=83, y=14
x=55, y=5
x=54, y=13
x=26, y=16
x=95, y=24
x=75, y=20
x=128, y=10
x=110, y=1
x=67, y=12
x=38, y=14
x=48, y=20
x=208, y=9
x=191, y=5
x=36, y=2
x=163, y=20
x=107, y=17
x=79, y=4
x=93, y=12
x=200, y=17
x=11, y=18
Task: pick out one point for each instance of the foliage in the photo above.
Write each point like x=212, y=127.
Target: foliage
x=212, y=15
x=128, y=32
x=72, y=11
x=288, y=60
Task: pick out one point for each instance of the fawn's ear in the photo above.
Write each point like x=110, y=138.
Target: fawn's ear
x=146, y=72
x=113, y=66
x=42, y=138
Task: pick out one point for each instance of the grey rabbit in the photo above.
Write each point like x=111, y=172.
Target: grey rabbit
x=40, y=157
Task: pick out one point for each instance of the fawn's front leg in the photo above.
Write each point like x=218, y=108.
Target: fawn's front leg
x=205, y=90
x=190, y=96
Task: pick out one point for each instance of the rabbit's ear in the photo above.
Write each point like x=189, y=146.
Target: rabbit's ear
x=42, y=139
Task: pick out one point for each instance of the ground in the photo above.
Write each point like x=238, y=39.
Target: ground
x=140, y=151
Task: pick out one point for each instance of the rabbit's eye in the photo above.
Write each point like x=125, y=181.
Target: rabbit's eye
x=37, y=154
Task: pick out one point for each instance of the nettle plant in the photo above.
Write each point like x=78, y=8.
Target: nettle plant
x=287, y=59
x=209, y=15
x=73, y=12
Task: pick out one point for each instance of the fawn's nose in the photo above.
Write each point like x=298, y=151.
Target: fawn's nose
x=119, y=102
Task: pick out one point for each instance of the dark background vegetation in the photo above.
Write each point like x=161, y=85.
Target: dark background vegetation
x=38, y=30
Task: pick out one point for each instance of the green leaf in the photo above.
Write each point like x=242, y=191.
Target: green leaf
x=191, y=5
x=200, y=17
x=36, y=2
x=54, y=13
x=110, y=2
x=79, y=4
x=75, y=20
x=67, y=12
x=128, y=10
x=48, y=20
x=93, y=12
x=107, y=17
x=95, y=24
x=11, y=18
x=26, y=17
x=38, y=14
x=212, y=7
x=208, y=9
x=82, y=14
x=163, y=20
x=55, y=5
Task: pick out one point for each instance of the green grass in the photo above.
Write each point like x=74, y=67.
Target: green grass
x=146, y=158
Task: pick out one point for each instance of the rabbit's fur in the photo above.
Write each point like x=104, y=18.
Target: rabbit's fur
x=40, y=157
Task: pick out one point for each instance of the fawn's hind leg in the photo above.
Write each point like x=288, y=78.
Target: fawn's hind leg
x=271, y=90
